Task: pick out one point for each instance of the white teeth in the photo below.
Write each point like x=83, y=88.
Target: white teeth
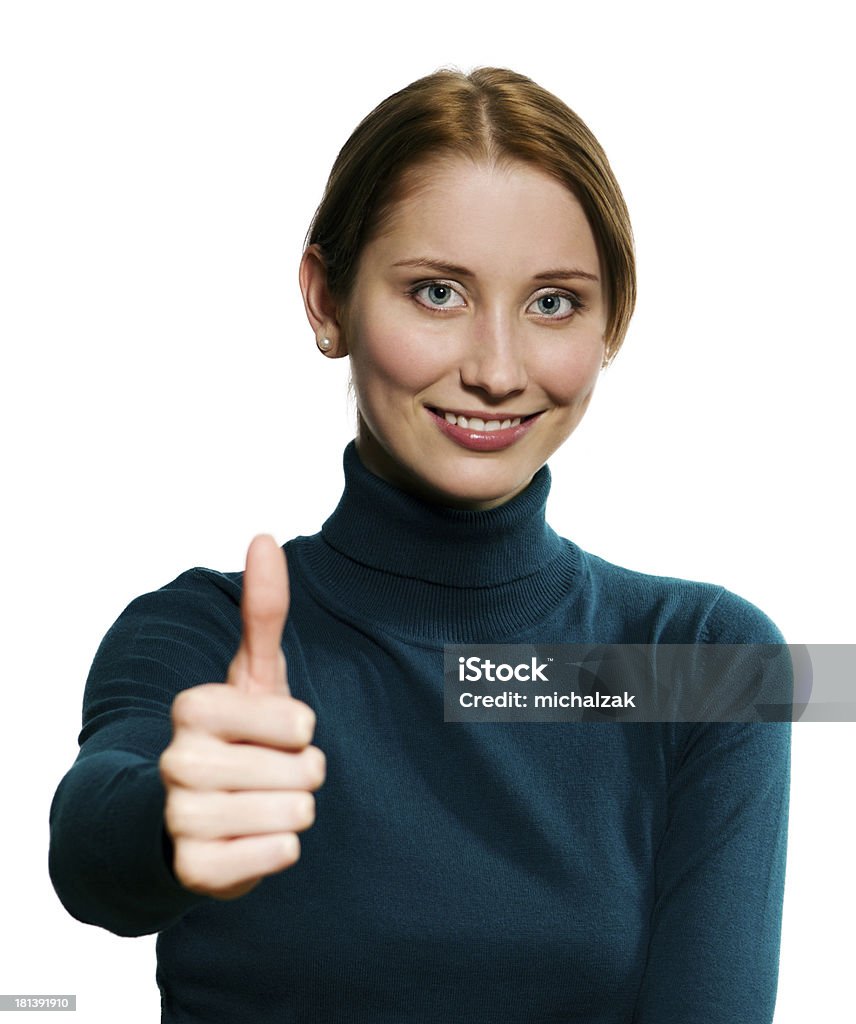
x=477, y=423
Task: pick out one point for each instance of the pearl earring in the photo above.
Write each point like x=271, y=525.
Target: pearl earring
x=324, y=344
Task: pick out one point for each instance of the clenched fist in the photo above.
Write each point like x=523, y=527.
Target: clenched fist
x=239, y=771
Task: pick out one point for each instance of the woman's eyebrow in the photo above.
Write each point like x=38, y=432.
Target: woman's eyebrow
x=565, y=272
x=454, y=269
x=438, y=265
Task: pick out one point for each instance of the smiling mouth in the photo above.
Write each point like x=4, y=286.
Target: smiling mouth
x=487, y=425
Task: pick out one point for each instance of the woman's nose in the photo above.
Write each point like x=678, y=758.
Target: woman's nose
x=494, y=359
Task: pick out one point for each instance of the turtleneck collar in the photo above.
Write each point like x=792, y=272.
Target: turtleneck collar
x=439, y=573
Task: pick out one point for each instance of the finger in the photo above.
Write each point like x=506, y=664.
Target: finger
x=214, y=765
x=230, y=867
x=259, y=664
x=226, y=713
x=217, y=815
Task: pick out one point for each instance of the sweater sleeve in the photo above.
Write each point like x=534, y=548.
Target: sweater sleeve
x=110, y=856
x=713, y=956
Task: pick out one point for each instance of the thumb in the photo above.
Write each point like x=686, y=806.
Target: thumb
x=259, y=664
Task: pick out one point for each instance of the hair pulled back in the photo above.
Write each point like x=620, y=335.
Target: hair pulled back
x=491, y=115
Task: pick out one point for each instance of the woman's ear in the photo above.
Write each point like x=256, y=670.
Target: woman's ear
x=321, y=308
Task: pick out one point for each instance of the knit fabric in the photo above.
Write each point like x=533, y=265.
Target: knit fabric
x=472, y=872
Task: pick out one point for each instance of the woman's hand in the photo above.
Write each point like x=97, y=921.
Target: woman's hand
x=239, y=772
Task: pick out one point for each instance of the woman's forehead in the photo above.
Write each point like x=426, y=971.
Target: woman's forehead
x=458, y=208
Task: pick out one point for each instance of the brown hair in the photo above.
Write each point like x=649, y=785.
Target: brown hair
x=491, y=115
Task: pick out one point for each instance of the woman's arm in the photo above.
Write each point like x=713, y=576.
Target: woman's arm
x=110, y=857
x=714, y=951
x=713, y=956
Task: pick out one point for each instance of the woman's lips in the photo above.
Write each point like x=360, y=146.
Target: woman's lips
x=487, y=435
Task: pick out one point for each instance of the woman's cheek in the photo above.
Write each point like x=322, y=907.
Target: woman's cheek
x=572, y=377
x=398, y=358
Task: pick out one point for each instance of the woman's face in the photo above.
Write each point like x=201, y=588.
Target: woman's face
x=480, y=302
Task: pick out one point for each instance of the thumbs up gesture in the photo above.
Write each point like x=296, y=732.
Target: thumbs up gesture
x=239, y=772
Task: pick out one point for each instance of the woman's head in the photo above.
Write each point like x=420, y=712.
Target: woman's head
x=473, y=258
x=491, y=116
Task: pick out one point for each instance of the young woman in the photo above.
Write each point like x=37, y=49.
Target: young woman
x=472, y=257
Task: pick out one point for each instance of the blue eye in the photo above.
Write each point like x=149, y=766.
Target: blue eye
x=557, y=307
x=438, y=295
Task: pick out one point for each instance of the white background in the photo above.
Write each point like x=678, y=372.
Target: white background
x=163, y=400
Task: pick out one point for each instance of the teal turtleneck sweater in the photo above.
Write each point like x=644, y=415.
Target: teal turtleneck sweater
x=472, y=872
